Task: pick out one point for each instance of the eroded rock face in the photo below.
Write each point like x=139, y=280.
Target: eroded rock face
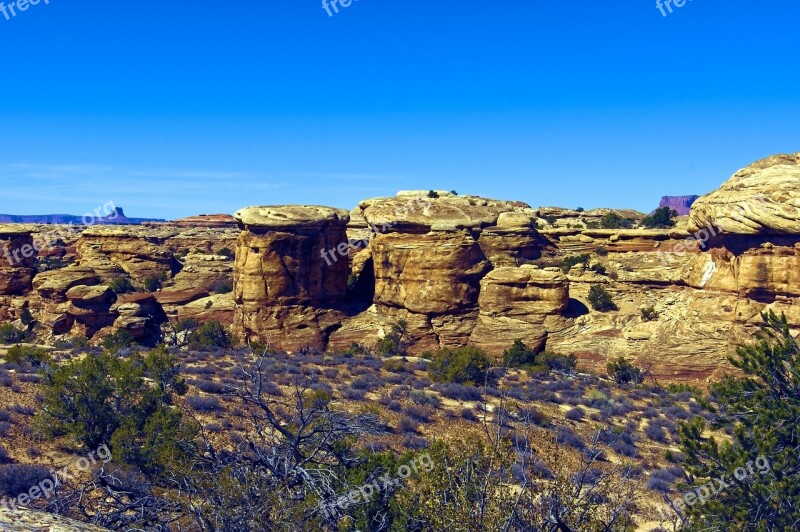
x=515, y=304
x=763, y=198
x=118, y=248
x=290, y=274
x=423, y=259
x=16, y=269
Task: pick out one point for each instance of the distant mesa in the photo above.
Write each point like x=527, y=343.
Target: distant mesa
x=116, y=217
x=681, y=204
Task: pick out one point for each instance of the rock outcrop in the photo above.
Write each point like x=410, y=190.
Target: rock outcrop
x=291, y=274
x=17, y=258
x=763, y=198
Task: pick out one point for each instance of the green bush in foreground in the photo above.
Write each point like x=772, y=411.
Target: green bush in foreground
x=462, y=365
x=762, y=409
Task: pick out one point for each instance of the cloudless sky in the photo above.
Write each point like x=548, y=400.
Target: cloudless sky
x=176, y=108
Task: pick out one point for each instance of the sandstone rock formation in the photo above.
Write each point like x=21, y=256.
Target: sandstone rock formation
x=763, y=198
x=291, y=272
x=195, y=262
x=25, y=520
x=16, y=269
x=516, y=304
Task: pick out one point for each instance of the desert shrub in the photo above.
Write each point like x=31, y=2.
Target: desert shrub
x=462, y=365
x=575, y=414
x=656, y=433
x=395, y=406
x=18, y=478
x=623, y=372
x=204, y=404
x=28, y=356
x=151, y=283
x=23, y=410
x=407, y=425
x=557, y=362
x=569, y=437
x=354, y=394
x=519, y=355
x=121, y=285
x=211, y=387
x=10, y=334
x=625, y=449
x=663, y=479
x=573, y=260
x=469, y=414
x=615, y=221
x=649, y=314
x=394, y=343
x=662, y=218
x=422, y=398
x=418, y=413
x=601, y=251
x=125, y=403
x=458, y=392
x=226, y=252
x=209, y=335
x=598, y=269
x=118, y=340
x=600, y=299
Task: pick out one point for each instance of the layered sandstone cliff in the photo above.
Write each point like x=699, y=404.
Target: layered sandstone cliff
x=290, y=275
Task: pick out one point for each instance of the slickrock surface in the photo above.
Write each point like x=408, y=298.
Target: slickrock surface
x=24, y=520
x=763, y=198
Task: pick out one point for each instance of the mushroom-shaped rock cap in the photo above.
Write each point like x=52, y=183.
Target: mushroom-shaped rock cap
x=415, y=211
x=290, y=216
x=762, y=198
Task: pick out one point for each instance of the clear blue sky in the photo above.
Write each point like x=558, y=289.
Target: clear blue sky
x=176, y=108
